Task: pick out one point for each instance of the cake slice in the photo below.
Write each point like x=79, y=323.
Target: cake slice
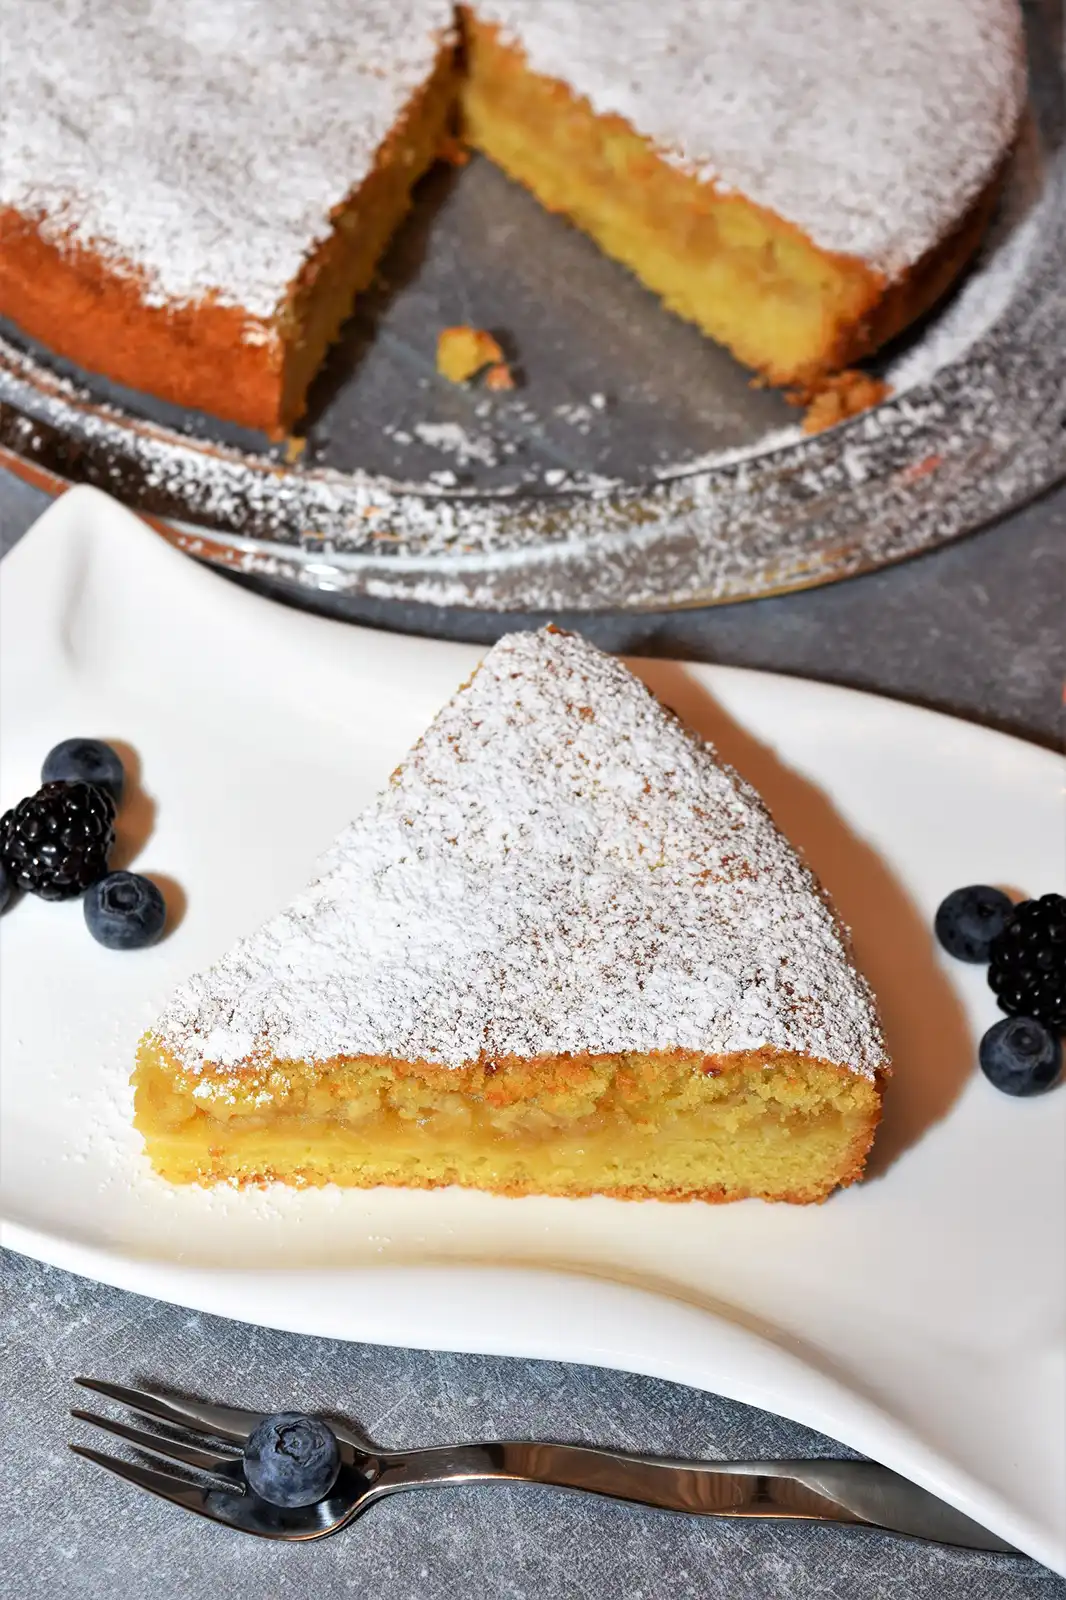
x=193, y=192
x=565, y=952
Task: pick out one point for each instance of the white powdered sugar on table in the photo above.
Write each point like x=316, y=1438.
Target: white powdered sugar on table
x=203, y=145
x=870, y=124
x=454, y=440
x=559, y=866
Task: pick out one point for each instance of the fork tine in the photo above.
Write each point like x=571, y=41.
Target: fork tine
x=189, y=1496
x=169, y=1449
x=225, y=1422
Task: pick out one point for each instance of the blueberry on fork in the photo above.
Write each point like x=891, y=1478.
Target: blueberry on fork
x=291, y=1459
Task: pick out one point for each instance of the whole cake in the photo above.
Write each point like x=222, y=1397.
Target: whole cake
x=192, y=192
x=565, y=952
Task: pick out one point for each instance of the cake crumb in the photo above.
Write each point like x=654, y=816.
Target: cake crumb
x=453, y=152
x=922, y=469
x=463, y=352
x=844, y=395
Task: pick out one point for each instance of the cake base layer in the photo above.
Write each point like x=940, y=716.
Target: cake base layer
x=210, y=356
x=745, y=276
x=671, y=1127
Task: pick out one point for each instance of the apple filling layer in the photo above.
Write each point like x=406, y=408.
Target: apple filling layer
x=672, y=1125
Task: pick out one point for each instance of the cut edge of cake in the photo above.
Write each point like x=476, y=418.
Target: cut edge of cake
x=796, y=312
x=565, y=952
x=751, y=279
x=672, y=1126
x=213, y=354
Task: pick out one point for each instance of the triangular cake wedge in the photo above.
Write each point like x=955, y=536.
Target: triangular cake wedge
x=565, y=952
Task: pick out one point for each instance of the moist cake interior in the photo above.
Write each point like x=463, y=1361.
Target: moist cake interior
x=772, y=1126
x=742, y=275
x=344, y=267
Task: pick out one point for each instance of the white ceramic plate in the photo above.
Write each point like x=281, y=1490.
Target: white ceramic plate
x=919, y=1318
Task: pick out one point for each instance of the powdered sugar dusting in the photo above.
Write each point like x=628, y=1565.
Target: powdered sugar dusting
x=558, y=867
x=870, y=125
x=203, y=144
x=455, y=440
x=974, y=432
x=1004, y=260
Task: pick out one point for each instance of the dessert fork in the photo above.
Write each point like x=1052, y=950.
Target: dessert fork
x=850, y=1492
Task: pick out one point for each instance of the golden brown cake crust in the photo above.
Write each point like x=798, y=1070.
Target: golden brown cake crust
x=913, y=294
x=196, y=356
x=206, y=356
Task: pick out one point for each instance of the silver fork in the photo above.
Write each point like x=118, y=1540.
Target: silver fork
x=856, y=1492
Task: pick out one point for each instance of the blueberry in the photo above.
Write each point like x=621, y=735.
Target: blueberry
x=1020, y=1056
x=125, y=911
x=969, y=919
x=292, y=1460
x=85, y=761
x=7, y=888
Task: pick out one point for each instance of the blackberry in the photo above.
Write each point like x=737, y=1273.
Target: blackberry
x=1027, y=969
x=56, y=842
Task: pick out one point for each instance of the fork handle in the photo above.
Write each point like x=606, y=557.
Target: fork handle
x=858, y=1492
x=668, y=1485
